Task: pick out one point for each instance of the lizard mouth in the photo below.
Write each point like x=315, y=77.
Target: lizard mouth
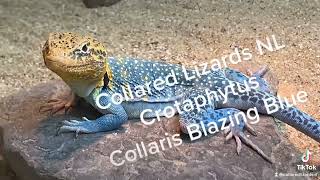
x=63, y=62
x=65, y=67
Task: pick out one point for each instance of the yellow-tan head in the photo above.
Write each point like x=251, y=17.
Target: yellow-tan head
x=76, y=59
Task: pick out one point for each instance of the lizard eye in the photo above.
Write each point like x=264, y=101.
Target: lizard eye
x=84, y=48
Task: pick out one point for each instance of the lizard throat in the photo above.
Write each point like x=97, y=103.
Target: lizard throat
x=82, y=88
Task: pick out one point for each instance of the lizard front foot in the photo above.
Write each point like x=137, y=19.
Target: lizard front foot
x=57, y=104
x=234, y=131
x=76, y=126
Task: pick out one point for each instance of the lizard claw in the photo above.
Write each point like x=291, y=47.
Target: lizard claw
x=75, y=126
x=236, y=132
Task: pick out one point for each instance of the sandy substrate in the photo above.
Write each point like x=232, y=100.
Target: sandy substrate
x=181, y=31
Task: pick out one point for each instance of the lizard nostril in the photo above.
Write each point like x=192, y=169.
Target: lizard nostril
x=45, y=51
x=45, y=47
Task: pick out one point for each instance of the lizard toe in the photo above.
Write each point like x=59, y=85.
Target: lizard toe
x=236, y=132
x=75, y=126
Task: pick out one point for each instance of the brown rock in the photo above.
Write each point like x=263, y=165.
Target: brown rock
x=33, y=150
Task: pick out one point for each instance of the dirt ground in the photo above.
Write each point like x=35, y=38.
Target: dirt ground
x=177, y=31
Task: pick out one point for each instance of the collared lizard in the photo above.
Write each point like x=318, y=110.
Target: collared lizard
x=82, y=62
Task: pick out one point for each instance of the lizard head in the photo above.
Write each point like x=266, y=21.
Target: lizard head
x=79, y=60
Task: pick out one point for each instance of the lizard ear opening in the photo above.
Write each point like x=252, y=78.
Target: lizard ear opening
x=105, y=80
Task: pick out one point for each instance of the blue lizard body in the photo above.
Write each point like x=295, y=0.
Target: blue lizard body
x=133, y=72
x=124, y=74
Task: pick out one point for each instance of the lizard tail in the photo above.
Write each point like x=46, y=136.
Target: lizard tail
x=273, y=106
x=299, y=120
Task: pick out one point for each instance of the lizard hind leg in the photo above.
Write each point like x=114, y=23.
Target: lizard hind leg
x=235, y=129
x=264, y=85
x=209, y=117
x=238, y=76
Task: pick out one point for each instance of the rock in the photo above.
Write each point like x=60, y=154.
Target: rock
x=97, y=3
x=31, y=147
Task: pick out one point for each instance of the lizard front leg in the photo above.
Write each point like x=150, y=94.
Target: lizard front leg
x=104, y=123
x=55, y=105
